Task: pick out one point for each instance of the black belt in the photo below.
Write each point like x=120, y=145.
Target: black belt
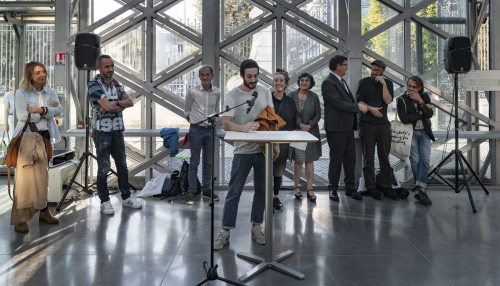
x=201, y=127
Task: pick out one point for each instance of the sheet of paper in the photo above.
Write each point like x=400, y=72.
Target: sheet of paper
x=299, y=145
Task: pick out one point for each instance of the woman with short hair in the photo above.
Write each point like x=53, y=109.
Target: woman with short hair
x=40, y=102
x=308, y=116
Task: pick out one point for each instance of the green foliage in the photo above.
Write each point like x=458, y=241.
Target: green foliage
x=429, y=40
x=377, y=15
x=384, y=43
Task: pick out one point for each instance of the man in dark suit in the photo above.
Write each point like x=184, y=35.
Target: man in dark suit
x=341, y=111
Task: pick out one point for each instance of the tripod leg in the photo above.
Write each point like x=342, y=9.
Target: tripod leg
x=113, y=172
x=474, y=173
x=84, y=157
x=466, y=183
x=436, y=169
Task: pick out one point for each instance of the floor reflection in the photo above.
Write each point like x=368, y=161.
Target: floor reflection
x=349, y=242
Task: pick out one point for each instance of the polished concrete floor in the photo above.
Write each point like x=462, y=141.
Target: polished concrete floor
x=336, y=243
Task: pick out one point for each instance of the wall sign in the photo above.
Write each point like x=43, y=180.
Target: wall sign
x=60, y=59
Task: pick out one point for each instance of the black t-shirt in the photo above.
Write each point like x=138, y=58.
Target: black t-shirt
x=288, y=112
x=372, y=93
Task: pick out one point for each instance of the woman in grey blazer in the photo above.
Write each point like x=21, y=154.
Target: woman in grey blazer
x=308, y=116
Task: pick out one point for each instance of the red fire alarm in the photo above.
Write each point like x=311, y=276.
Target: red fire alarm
x=80, y=125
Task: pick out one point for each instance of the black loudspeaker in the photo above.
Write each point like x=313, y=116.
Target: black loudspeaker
x=457, y=55
x=87, y=50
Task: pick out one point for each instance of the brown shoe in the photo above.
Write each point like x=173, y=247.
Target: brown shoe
x=47, y=216
x=22, y=227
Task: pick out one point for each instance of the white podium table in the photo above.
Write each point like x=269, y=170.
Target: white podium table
x=269, y=137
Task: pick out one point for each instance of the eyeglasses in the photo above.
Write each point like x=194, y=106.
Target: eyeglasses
x=205, y=75
x=344, y=64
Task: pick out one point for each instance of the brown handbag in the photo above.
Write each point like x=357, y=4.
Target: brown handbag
x=15, y=144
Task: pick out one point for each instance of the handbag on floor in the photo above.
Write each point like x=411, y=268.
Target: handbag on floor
x=401, y=136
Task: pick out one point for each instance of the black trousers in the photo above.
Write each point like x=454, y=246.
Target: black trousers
x=380, y=135
x=342, y=152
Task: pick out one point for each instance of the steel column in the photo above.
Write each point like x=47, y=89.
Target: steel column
x=62, y=72
x=494, y=102
x=83, y=22
x=211, y=38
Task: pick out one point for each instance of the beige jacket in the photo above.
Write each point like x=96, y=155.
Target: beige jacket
x=31, y=186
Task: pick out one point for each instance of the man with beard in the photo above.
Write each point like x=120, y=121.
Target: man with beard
x=246, y=155
x=376, y=92
x=108, y=100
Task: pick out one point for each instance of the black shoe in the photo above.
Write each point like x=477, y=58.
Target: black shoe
x=422, y=197
x=277, y=205
x=190, y=198
x=354, y=194
x=375, y=194
x=312, y=198
x=389, y=193
x=207, y=193
x=334, y=196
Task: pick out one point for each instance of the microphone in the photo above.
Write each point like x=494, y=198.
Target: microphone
x=252, y=101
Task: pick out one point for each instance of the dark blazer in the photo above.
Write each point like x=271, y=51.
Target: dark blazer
x=408, y=114
x=341, y=108
x=311, y=114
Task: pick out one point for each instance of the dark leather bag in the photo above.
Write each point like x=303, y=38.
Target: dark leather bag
x=15, y=144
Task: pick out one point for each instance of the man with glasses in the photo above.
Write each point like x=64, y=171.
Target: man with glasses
x=201, y=101
x=376, y=92
x=341, y=119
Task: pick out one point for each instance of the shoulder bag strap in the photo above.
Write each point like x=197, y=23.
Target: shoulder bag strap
x=27, y=123
x=8, y=184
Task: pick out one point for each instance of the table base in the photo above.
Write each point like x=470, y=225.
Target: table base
x=274, y=264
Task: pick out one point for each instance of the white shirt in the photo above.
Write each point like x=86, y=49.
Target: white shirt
x=340, y=79
x=201, y=103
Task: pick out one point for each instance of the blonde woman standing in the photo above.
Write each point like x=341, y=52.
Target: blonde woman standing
x=34, y=98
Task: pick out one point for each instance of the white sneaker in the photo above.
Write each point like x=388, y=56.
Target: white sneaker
x=222, y=239
x=258, y=235
x=107, y=208
x=132, y=202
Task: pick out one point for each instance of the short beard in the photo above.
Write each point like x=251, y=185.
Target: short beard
x=248, y=85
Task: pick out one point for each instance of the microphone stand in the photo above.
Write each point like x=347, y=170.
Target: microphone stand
x=212, y=270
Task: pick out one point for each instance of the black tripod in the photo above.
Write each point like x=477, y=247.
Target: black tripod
x=459, y=160
x=212, y=270
x=85, y=158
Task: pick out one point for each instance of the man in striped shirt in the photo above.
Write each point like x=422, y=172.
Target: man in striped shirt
x=201, y=101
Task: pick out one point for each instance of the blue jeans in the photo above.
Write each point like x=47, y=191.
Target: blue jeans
x=200, y=139
x=420, y=157
x=242, y=164
x=110, y=143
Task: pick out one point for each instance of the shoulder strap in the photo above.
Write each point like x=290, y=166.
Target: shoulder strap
x=8, y=184
x=396, y=115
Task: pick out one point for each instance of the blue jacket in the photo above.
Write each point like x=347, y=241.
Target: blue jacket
x=170, y=139
x=29, y=98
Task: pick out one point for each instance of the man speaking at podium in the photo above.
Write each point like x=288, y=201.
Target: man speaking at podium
x=246, y=155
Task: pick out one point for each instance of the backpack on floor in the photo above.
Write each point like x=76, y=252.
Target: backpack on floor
x=177, y=184
x=185, y=181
